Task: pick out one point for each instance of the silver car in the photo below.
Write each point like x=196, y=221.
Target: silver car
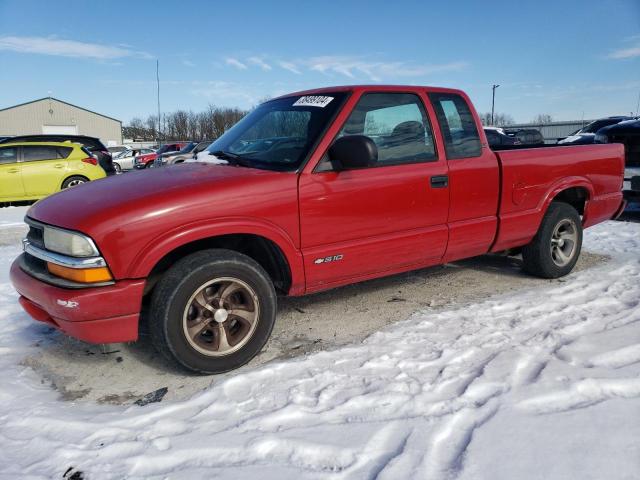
x=182, y=157
x=125, y=160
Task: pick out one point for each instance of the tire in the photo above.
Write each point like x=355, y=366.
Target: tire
x=74, y=181
x=149, y=165
x=117, y=167
x=212, y=311
x=555, y=249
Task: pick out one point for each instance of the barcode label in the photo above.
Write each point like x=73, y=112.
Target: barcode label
x=313, y=101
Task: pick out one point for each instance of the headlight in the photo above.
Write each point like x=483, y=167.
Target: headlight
x=69, y=243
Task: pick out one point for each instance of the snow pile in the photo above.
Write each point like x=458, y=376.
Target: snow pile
x=540, y=384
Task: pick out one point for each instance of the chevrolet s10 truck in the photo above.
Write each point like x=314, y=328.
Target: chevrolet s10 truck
x=308, y=192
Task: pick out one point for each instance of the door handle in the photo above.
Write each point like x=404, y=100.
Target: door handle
x=439, y=181
x=13, y=170
x=58, y=165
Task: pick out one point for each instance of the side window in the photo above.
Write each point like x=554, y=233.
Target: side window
x=461, y=139
x=63, y=152
x=36, y=153
x=397, y=123
x=8, y=155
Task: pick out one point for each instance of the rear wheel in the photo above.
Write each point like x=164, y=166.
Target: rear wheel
x=555, y=249
x=74, y=181
x=117, y=167
x=213, y=311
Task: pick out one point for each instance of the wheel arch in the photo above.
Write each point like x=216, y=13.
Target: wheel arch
x=272, y=249
x=575, y=191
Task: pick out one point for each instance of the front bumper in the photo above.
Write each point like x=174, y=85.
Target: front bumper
x=106, y=314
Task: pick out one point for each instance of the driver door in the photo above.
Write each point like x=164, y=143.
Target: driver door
x=362, y=223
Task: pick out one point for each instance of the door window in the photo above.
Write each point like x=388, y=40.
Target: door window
x=8, y=155
x=397, y=123
x=461, y=138
x=35, y=153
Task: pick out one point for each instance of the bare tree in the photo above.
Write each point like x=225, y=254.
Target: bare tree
x=183, y=125
x=542, y=119
x=499, y=119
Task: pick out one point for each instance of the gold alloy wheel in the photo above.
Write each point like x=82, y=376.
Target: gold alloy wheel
x=221, y=316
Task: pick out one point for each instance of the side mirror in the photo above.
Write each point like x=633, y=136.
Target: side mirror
x=353, y=151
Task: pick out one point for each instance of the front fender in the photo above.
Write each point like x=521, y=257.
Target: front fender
x=160, y=246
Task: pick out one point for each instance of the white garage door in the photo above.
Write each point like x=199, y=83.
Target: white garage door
x=60, y=129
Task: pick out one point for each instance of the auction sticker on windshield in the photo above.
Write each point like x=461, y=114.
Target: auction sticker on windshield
x=313, y=101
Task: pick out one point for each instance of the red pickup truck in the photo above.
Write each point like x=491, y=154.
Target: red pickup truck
x=146, y=160
x=308, y=192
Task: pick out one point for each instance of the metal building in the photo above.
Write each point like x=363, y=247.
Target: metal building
x=50, y=115
x=553, y=131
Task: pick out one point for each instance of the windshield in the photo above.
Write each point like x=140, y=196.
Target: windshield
x=593, y=127
x=280, y=133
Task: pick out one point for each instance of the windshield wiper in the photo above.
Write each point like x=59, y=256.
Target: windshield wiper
x=232, y=158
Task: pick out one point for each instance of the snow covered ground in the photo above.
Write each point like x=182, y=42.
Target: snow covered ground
x=540, y=384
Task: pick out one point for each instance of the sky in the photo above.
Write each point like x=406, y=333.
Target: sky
x=569, y=59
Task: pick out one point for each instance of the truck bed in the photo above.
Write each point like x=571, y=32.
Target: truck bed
x=532, y=177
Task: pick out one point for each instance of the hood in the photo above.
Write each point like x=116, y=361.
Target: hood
x=184, y=192
x=581, y=138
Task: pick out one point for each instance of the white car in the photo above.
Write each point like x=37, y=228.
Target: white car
x=126, y=159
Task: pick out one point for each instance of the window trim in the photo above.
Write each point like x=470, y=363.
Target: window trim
x=433, y=102
x=325, y=165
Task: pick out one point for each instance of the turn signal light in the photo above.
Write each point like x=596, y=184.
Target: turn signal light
x=80, y=275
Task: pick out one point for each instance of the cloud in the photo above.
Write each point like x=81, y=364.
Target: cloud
x=66, y=48
x=234, y=62
x=352, y=67
x=260, y=63
x=290, y=67
x=624, y=53
x=226, y=93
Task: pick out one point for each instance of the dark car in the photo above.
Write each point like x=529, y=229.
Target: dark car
x=627, y=133
x=586, y=135
x=526, y=136
x=498, y=138
x=94, y=145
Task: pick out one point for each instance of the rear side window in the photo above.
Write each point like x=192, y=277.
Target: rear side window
x=8, y=155
x=461, y=138
x=397, y=123
x=36, y=153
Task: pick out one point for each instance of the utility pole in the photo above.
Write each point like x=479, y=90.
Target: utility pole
x=159, y=120
x=493, y=101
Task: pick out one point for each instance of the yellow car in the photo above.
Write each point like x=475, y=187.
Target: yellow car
x=31, y=171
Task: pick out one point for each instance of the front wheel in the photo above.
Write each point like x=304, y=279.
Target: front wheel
x=555, y=249
x=213, y=311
